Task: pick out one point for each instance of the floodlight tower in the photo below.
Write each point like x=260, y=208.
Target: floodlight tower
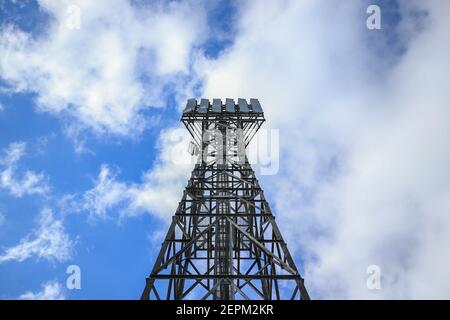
x=223, y=242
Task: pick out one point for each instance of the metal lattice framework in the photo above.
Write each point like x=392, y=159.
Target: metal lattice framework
x=223, y=242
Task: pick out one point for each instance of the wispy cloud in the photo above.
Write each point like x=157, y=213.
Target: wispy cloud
x=17, y=184
x=49, y=241
x=106, y=194
x=51, y=290
x=160, y=187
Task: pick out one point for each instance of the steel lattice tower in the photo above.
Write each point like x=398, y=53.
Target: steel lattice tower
x=223, y=242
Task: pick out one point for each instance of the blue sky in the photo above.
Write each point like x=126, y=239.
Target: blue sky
x=87, y=118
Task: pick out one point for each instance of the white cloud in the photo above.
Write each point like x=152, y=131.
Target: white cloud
x=51, y=290
x=158, y=191
x=2, y=107
x=106, y=73
x=49, y=241
x=364, y=170
x=364, y=162
x=28, y=183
